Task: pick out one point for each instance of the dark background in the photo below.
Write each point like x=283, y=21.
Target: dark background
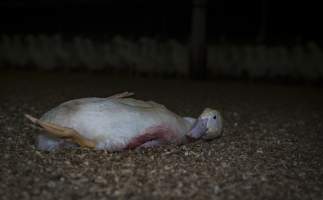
x=286, y=22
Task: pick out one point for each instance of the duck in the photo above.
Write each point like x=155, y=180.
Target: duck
x=120, y=122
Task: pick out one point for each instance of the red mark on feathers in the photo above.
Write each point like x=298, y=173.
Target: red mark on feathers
x=161, y=132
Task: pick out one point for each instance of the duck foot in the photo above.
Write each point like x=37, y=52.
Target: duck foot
x=63, y=132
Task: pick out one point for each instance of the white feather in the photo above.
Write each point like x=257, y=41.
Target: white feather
x=113, y=122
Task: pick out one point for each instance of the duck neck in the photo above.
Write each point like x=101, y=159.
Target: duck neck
x=189, y=122
x=197, y=129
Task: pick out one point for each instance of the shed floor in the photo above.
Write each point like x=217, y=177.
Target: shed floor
x=272, y=145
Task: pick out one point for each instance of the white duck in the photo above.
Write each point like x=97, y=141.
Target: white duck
x=116, y=123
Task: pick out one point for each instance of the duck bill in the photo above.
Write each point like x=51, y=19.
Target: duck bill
x=198, y=129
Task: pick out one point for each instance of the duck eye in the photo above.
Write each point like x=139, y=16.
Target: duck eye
x=214, y=117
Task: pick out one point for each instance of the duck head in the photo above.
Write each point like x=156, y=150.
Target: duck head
x=207, y=126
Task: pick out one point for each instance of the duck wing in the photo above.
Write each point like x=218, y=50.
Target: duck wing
x=140, y=104
x=121, y=95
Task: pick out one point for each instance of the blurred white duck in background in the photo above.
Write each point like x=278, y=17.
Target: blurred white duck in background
x=117, y=123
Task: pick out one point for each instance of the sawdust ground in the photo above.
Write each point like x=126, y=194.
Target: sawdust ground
x=272, y=145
